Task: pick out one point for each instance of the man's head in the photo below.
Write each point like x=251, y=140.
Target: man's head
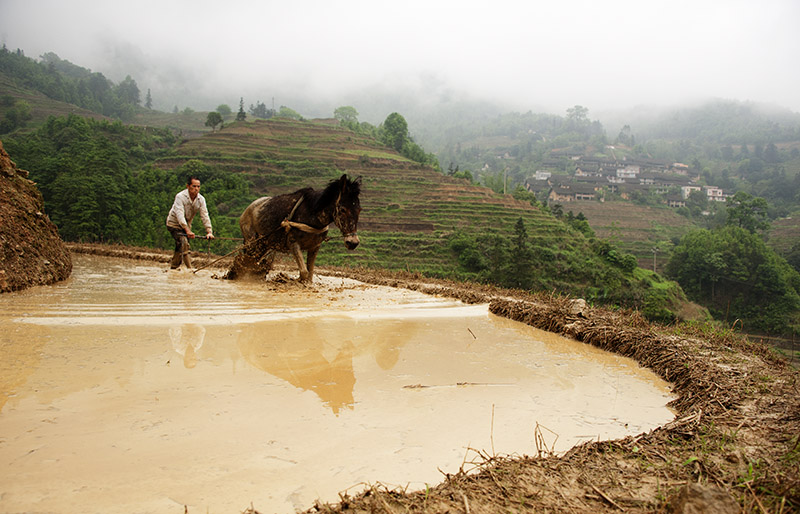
x=193, y=185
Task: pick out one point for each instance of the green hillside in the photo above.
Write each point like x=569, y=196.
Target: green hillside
x=413, y=218
x=418, y=220
x=401, y=200
x=41, y=106
x=635, y=228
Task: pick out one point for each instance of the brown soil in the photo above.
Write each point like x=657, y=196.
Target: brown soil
x=31, y=252
x=734, y=445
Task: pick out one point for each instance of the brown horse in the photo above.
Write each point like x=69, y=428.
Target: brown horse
x=297, y=222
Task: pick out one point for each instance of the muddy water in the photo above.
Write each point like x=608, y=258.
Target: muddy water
x=132, y=389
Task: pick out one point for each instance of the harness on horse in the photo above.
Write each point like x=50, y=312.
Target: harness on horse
x=286, y=224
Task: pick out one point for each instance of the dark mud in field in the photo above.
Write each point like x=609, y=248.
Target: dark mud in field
x=733, y=445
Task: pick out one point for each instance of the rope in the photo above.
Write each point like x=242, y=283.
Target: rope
x=302, y=226
x=285, y=224
x=240, y=247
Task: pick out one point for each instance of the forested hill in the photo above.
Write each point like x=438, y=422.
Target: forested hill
x=62, y=81
x=723, y=122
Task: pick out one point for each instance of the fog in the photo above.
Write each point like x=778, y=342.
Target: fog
x=314, y=56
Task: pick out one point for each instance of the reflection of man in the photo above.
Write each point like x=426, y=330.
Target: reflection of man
x=179, y=221
x=186, y=340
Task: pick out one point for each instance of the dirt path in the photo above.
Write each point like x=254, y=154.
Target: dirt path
x=733, y=446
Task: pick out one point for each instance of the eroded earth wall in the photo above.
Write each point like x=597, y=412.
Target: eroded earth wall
x=31, y=251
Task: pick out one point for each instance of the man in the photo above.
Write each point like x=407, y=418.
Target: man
x=179, y=221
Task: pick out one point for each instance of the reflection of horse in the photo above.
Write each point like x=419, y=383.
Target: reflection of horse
x=305, y=356
x=294, y=222
x=318, y=354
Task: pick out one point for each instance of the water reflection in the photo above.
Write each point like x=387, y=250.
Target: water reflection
x=292, y=394
x=186, y=340
x=18, y=361
x=317, y=355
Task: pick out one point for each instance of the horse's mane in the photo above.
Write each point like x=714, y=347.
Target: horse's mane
x=331, y=192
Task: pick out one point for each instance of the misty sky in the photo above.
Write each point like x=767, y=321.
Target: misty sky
x=532, y=55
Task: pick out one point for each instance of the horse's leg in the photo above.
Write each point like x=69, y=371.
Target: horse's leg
x=298, y=256
x=312, y=256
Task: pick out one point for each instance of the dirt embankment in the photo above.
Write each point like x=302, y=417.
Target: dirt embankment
x=734, y=445
x=31, y=251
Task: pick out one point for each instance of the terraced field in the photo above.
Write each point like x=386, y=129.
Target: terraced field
x=635, y=228
x=409, y=210
x=785, y=233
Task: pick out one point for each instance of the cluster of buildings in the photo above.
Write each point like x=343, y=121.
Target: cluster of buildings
x=594, y=178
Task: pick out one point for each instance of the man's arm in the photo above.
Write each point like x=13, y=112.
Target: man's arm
x=205, y=218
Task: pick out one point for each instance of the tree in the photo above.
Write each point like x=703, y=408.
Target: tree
x=578, y=117
x=241, y=116
x=498, y=259
x=625, y=137
x=224, y=109
x=495, y=181
x=523, y=195
x=395, y=131
x=732, y=272
x=260, y=110
x=148, y=102
x=726, y=152
x=16, y=117
x=697, y=203
x=747, y=212
x=128, y=92
x=213, y=119
x=286, y=112
x=521, y=257
x=346, y=115
x=771, y=154
x=469, y=256
x=465, y=174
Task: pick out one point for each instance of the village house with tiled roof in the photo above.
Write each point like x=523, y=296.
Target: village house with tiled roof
x=622, y=177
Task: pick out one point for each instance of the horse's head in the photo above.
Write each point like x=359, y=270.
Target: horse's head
x=348, y=207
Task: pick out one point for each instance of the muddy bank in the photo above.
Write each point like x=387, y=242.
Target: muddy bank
x=733, y=445
x=31, y=251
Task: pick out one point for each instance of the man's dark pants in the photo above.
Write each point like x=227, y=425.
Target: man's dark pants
x=181, y=253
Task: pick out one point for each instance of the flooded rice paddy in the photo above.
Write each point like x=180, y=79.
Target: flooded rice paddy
x=128, y=388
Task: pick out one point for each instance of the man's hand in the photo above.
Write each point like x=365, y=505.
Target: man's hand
x=209, y=236
x=190, y=234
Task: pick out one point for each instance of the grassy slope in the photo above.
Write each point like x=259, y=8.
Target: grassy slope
x=408, y=210
x=41, y=106
x=785, y=233
x=635, y=228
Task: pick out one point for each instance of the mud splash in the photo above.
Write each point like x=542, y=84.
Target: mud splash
x=128, y=388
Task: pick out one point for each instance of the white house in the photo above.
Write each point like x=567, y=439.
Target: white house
x=629, y=171
x=715, y=194
x=687, y=190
